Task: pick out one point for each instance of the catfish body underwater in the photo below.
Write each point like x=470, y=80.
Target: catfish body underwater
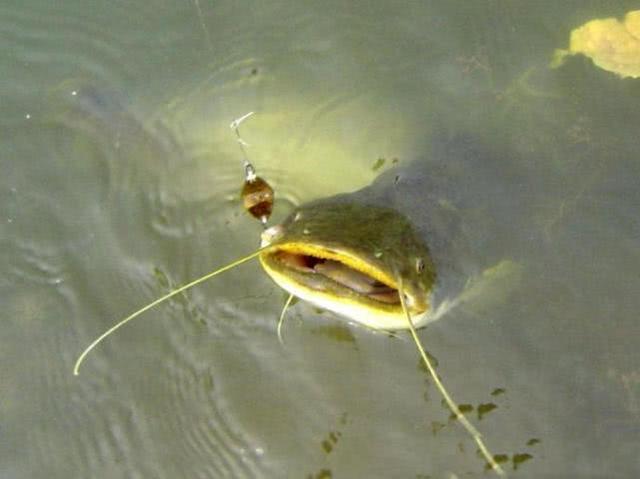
x=403, y=251
x=384, y=256
x=436, y=222
x=434, y=225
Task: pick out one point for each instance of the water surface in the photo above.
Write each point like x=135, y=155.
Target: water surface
x=120, y=178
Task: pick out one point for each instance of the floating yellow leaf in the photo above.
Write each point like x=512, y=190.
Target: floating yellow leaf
x=611, y=44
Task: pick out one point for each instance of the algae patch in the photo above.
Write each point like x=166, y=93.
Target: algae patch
x=612, y=45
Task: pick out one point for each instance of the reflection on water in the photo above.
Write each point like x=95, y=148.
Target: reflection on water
x=114, y=194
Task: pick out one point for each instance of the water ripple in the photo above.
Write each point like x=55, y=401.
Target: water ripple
x=39, y=41
x=210, y=439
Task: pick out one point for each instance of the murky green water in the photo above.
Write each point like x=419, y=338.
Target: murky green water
x=119, y=177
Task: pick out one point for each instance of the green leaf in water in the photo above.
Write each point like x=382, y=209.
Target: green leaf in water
x=484, y=409
x=518, y=459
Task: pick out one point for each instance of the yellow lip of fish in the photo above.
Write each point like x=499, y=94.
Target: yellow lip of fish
x=286, y=253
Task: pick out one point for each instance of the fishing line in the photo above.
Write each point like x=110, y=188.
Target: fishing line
x=202, y=24
x=477, y=437
x=250, y=172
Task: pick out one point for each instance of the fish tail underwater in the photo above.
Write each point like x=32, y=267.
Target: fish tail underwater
x=377, y=270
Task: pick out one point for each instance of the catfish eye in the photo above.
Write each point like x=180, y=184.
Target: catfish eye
x=419, y=265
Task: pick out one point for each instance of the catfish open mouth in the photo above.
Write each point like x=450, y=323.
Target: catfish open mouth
x=319, y=270
x=347, y=281
x=343, y=280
